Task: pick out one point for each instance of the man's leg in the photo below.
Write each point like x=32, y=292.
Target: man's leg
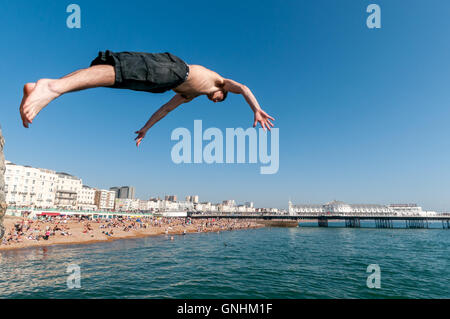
x=38, y=95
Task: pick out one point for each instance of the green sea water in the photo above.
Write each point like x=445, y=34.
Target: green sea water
x=305, y=262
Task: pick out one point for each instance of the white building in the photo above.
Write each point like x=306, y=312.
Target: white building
x=185, y=206
x=104, y=199
x=168, y=205
x=227, y=206
x=29, y=186
x=127, y=204
x=192, y=198
x=149, y=205
x=67, y=189
x=229, y=202
x=86, y=198
x=203, y=207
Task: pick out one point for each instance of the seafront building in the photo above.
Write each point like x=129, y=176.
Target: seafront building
x=116, y=191
x=28, y=186
x=150, y=205
x=171, y=198
x=104, y=199
x=67, y=189
x=193, y=198
x=86, y=198
x=126, y=204
x=124, y=192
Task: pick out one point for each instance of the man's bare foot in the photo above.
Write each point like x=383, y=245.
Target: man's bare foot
x=35, y=97
x=27, y=89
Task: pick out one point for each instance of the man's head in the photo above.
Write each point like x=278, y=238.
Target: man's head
x=218, y=96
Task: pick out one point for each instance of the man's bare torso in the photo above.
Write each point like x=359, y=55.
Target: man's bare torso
x=201, y=81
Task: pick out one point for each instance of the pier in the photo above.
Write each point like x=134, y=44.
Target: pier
x=350, y=221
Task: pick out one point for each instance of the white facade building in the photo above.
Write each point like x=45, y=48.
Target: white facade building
x=149, y=205
x=185, y=206
x=104, y=199
x=127, y=204
x=86, y=198
x=168, y=205
x=29, y=186
x=67, y=189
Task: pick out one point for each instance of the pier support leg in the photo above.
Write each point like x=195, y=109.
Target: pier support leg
x=323, y=222
x=384, y=223
x=417, y=223
x=353, y=223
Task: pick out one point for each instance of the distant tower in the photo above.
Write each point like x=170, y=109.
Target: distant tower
x=126, y=192
x=171, y=198
x=116, y=190
x=291, y=208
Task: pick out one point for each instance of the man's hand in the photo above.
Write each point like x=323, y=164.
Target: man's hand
x=263, y=119
x=141, y=134
x=260, y=116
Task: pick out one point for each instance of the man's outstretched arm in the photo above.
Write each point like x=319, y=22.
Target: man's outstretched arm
x=176, y=101
x=260, y=116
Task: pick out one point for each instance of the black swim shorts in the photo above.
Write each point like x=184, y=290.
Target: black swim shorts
x=150, y=72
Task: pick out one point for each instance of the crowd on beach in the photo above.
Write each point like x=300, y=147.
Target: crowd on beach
x=25, y=230
x=36, y=230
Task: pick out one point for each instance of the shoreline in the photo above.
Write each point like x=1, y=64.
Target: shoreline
x=97, y=237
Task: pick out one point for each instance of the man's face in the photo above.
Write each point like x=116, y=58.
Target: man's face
x=217, y=96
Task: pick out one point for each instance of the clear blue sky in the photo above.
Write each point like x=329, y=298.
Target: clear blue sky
x=363, y=114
